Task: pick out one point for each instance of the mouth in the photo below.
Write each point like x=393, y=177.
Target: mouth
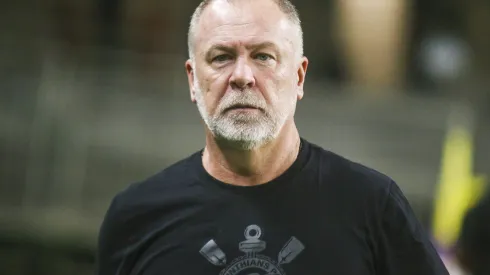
x=242, y=107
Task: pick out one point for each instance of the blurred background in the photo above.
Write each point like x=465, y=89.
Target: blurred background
x=94, y=96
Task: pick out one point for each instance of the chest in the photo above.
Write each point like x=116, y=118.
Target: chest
x=247, y=238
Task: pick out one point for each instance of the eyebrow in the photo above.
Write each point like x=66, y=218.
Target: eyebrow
x=263, y=45
x=219, y=47
x=231, y=50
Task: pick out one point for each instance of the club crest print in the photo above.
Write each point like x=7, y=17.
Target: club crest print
x=252, y=263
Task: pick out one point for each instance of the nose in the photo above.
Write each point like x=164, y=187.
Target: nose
x=242, y=77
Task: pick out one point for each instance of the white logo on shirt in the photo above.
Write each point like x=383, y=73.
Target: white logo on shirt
x=252, y=263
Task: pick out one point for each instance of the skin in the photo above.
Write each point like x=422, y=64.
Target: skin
x=245, y=53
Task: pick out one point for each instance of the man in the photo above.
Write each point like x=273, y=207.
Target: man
x=473, y=248
x=258, y=199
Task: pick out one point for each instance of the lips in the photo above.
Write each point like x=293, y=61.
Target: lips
x=241, y=106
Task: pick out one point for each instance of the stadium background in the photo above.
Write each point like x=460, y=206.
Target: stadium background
x=93, y=97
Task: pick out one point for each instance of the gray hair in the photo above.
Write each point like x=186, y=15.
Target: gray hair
x=284, y=5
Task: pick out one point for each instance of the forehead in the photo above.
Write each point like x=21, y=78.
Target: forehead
x=243, y=22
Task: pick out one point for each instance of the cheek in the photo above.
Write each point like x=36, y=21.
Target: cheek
x=217, y=83
x=213, y=87
x=278, y=87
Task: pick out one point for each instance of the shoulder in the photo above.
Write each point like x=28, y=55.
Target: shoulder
x=379, y=196
x=167, y=182
x=350, y=175
x=131, y=209
x=132, y=212
x=153, y=191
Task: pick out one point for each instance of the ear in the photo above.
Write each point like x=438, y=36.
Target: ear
x=301, y=75
x=190, y=77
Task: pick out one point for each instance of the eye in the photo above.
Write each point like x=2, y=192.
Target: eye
x=222, y=58
x=264, y=57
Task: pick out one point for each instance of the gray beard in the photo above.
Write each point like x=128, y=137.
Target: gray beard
x=241, y=131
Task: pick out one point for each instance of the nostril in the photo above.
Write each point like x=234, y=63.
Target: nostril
x=241, y=83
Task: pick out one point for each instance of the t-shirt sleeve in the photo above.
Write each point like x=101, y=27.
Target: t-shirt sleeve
x=403, y=245
x=111, y=242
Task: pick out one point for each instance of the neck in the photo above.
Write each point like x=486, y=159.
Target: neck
x=252, y=167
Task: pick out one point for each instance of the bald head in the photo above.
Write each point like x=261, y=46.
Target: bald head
x=285, y=6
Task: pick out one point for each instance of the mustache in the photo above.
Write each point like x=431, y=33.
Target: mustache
x=242, y=99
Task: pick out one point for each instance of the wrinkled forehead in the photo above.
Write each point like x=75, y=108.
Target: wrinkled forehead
x=243, y=22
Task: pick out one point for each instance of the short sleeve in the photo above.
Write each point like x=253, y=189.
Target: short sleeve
x=403, y=245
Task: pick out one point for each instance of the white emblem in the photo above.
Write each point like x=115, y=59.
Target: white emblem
x=252, y=263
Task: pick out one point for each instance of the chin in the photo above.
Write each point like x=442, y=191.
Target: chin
x=244, y=139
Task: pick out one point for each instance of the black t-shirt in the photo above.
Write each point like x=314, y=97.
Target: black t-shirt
x=325, y=215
